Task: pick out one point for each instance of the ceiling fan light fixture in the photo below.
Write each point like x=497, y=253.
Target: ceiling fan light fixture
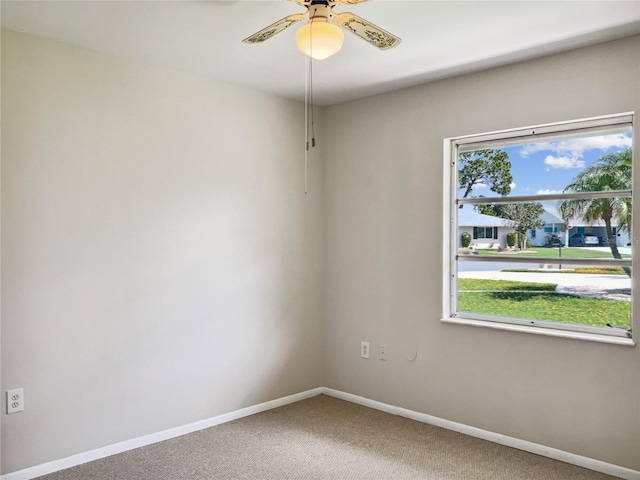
x=319, y=39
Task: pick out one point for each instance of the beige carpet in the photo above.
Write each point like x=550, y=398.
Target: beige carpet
x=326, y=438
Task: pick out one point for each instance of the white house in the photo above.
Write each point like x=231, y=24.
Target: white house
x=486, y=231
x=555, y=226
x=598, y=229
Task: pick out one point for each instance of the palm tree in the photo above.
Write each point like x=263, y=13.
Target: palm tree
x=611, y=172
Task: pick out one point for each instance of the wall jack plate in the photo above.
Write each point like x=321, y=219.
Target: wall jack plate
x=383, y=353
x=15, y=400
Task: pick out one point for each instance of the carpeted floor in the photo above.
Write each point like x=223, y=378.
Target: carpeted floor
x=325, y=438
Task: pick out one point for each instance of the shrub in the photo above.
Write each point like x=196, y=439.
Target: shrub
x=512, y=238
x=465, y=239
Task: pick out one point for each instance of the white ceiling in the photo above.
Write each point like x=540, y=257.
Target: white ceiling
x=439, y=38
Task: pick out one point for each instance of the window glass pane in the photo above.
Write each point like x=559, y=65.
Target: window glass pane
x=552, y=166
x=539, y=229
x=563, y=253
x=584, y=296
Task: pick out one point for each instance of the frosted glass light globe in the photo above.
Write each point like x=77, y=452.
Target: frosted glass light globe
x=319, y=39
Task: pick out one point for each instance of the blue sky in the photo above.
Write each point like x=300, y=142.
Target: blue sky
x=547, y=167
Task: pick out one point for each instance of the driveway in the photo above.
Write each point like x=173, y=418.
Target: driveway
x=622, y=250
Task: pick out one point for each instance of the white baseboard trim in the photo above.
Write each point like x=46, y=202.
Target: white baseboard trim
x=74, y=460
x=572, y=458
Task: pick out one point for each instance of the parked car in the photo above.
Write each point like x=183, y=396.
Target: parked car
x=583, y=239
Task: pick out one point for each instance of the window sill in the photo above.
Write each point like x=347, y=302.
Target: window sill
x=591, y=337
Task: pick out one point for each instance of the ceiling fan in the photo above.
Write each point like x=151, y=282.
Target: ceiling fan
x=320, y=37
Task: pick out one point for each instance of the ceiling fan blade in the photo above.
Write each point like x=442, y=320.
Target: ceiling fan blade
x=268, y=32
x=302, y=3
x=349, y=2
x=373, y=34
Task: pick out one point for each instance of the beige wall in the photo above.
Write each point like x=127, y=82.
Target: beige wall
x=160, y=261
x=383, y=266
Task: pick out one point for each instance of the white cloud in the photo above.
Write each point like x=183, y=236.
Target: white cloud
x=547, y=191
x=513, y=185
x=563, y=162
x=480, y=185
x=574, y=148
x=603, y=142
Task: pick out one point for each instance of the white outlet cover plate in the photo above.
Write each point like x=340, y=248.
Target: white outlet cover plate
x=15, y=400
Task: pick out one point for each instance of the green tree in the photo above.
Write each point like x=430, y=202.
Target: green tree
x=522, y=217
x=485, y=167
x=493, y=209
x=610, y=172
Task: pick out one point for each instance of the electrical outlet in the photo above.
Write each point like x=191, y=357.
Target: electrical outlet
x=383, y=353
x=15, y=400
x=364, y=349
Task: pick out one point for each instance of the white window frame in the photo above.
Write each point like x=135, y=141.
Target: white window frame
x=452, y=146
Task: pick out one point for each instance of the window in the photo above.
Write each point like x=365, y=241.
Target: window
x=571, y=180
x=485, y=232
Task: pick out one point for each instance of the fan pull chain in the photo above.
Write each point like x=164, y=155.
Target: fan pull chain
x=306, y=126
x=313, y=135
x=309, y=123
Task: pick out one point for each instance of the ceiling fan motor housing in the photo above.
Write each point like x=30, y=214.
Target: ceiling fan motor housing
x=320, y=11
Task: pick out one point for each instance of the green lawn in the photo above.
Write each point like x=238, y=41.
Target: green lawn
x=567, y=252
x=539, y=301
x=588, y=270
